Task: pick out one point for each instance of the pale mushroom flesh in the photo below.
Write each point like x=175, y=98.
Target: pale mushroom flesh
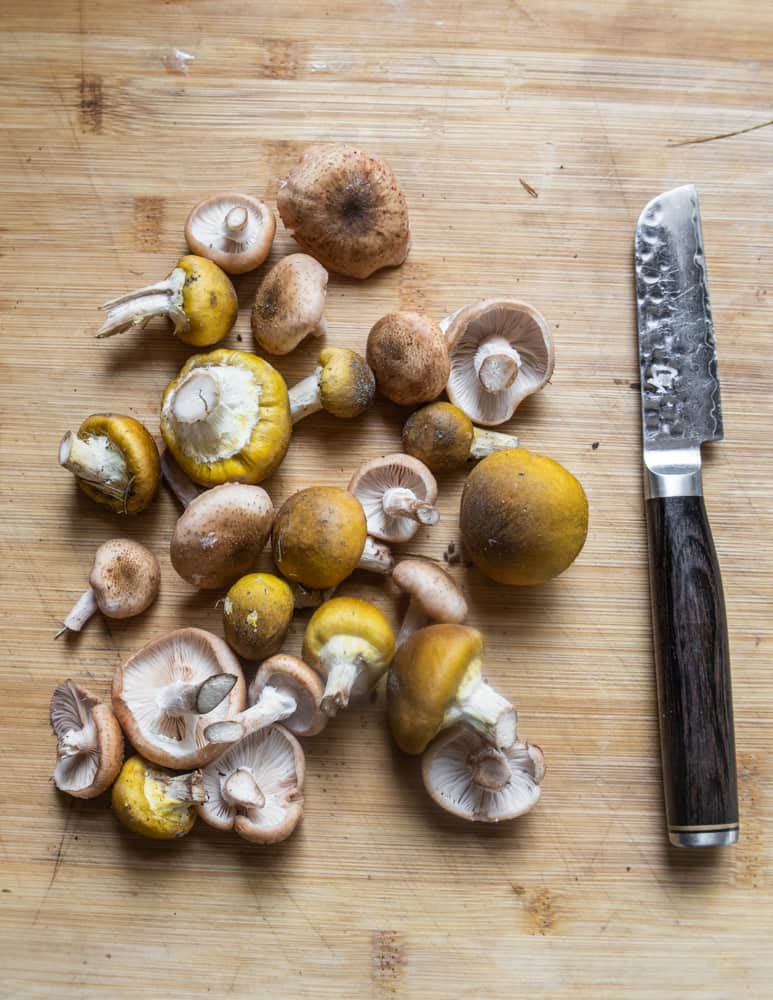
x=89, y=749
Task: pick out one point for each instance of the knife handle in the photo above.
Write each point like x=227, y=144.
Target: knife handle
x=692, y=663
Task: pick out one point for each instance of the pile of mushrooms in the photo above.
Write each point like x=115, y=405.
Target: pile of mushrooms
x=206, y=743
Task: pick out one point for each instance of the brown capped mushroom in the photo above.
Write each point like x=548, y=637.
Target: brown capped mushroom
x=397, y=493
x=444, y=438
x=469, y=778
x=409, y=357
x=501, y=351
x=233, y=230
x=434, y=596
x=162, y=692
x=346, y=208
x=342, y=384
x=89, y=742
x=256, y=787
x=124, y=582
x=289, y=304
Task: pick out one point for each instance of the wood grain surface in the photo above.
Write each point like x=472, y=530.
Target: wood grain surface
x=527, y=137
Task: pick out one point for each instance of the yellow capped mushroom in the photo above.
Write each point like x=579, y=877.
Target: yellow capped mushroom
x=444, y=439
x=343, y=384
x=226, y=418
x=257, y=612
x=157, y=803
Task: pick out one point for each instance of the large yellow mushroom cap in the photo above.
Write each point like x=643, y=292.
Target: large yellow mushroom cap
x=356, y=619
x=209, y=301
x=138, y=450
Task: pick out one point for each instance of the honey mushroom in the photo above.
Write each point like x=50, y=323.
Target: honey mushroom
x=289, y=304
x=444, y=439
x=398, y=495
x=409, y=357
x=235, y=231
x=89, y=742
x=342, y=384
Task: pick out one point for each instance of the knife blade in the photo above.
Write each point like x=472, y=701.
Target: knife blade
x=680, y=411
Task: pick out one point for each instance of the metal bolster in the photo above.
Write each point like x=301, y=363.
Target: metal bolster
x=673, y=473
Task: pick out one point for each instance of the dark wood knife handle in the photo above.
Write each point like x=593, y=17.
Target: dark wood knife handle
x=693, y=670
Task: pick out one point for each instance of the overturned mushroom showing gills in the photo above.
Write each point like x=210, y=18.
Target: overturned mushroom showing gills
x=349, y=642
x=342, y=384
x=409, y=358
x=114, y=460
x=166, y=694
x=124, y=582
x=289, y=304
x=89, y=742
x=444, y=438
x=501, y=352
x=233, y=230
x=345, y=208
x=197, y=297
x=154, y=802
x=469, y=778
x=284, y=690
x=256, y=787
x=398, y=494
x=436, y=681
x=433, y=596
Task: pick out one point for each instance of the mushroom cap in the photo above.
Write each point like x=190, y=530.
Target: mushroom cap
x=346, y=383
x=125, y=578
x=352, y=618
x=448, y=767
x=274, y=759
x=318, y=536
x=289, y=303
x=209, y=301
x=257, y=612
x=515, y=324
x=523, y=517
x=75, y=711
x=236, y=248
x=409, y=357
x=288, y=673
x=145, y=799
x=221, y=534
x=139, y=450
x=440, y=435
x=432, y=589
x=345, y=208
x=376, y=477
x=426, y=675
x=188, y=655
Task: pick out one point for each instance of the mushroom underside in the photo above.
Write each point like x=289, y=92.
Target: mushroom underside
x=389, y=488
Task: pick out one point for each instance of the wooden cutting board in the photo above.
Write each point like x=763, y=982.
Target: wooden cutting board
x=527, y=137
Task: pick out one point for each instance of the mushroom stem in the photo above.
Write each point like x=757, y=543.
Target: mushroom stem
x=305, y=397
x=184, y=698
x=273, y=705
x=183, y=488
x=497, y=364
x=320, y=330
x=487, y=442
x=415, y=618
x=77, y=741
x=236, y=220
x=182, y=787
x=96, y=460
x=82, y=610
x=341, y=677
x=139, y=307
x=196, y=397
x=489, y=769
x=240, y=789
x=401, y=502
x=376, y=557
x=483, y=708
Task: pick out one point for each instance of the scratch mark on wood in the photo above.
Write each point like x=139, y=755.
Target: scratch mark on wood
x=528, y=188
x=91, y=104
x=58, y=858
x=721, y=135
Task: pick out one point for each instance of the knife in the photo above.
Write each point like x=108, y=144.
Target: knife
x=681, y=410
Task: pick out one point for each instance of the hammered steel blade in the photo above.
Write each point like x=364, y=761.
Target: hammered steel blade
x=679, y=381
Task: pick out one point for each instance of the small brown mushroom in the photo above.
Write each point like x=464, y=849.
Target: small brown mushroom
x=233, y=230
x=409, y=357
x=124, y=582
x=434, y=596
x=342, y=384
x=89, y=747
x=289, y=304
x=501, y=351
x=444, y=438
x=346, y=208
x=398, y=494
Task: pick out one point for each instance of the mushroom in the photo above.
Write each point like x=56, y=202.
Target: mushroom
x=434, y=596
x=443, y=437
x=469, y=778
x=124, y=582
x=284, y=690
x=501, y=352
x=289, y=304
x=523, y=517
x=257, y=611
x=409, y=357
x=197, y=297
x=436, y=681
x=226, y=417
x=398, y=494
x=89, y=742
x=256, y=787
x=233, y=230
x=345, y=208
x=161, y=693
x=320, y=537
x=114, y=460
x=221, y=534
x=156, y=803
x=342, y=383
x=350, y=642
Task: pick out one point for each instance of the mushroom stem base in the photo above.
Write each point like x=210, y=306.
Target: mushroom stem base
x=376, y=558
x=399, y=502
x=305, y=397
x=487, y=442
x=483, y=708
x=497, y=364
x=241, y=790
x=138, y=308
x=96, y=460
x=341, y=678
x=82, y=610
x=184, y=698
